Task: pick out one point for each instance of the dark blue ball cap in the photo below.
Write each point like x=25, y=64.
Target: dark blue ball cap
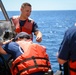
x=22, y=35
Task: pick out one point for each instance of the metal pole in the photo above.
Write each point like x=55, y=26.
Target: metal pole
x=4, y=11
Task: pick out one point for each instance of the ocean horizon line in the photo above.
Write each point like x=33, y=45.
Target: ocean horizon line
x=41, y=10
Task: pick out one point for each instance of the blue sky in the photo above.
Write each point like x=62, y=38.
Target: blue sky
x=41, y=4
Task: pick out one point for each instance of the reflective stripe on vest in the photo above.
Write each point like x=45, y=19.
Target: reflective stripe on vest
x=33, y=60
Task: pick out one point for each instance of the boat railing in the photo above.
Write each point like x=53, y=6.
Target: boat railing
x=4, y=11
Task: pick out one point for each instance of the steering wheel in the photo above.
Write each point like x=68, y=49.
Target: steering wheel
x=4, y=67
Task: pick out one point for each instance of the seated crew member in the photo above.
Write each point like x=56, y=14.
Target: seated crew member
x=28, y=57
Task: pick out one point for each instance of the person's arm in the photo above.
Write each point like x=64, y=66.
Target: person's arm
x=2, y=51
x=37, y=32
x=8, y=41
x=61, y=61
x=64, y=50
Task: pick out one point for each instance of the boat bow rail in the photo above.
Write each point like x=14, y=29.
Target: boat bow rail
x=4, y=11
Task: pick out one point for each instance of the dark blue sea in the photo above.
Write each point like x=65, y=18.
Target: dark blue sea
x=53, y=25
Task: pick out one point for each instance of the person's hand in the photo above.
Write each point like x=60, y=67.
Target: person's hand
x=8, y=41
x=38, y=38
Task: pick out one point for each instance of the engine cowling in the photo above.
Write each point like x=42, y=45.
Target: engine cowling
x=6, y=31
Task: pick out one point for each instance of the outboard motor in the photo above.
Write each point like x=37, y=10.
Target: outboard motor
x=6, y=31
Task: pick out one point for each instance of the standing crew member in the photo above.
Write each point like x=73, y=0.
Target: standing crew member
x=25, y=24
x=67, y=52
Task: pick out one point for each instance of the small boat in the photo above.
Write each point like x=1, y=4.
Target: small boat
x=6, y=33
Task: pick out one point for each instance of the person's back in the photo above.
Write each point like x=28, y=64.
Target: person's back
x=34, y=59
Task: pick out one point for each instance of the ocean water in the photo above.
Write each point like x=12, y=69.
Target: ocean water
x=53, y=25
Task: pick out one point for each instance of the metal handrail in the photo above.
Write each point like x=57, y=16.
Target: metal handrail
x=4, y=11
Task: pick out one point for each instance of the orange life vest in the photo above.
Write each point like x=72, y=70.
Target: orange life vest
x=34, y=59
x=72, y=67
x=27, y=26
